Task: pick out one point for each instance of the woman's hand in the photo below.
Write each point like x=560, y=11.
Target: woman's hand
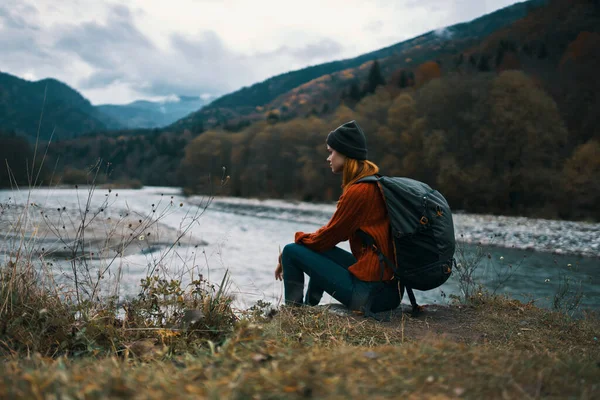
x=279, y=269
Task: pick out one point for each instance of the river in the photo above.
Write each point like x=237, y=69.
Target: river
x=525, y=258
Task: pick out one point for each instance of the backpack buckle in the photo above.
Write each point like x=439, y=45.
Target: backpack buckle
x=423, y=220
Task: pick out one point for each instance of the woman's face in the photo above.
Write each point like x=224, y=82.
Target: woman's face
x=335, y=160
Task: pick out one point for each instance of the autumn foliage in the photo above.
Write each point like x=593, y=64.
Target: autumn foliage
x=585, y=47
x=490, y=143
x=428, y=71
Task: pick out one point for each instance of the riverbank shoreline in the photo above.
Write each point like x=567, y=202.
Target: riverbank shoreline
x=562, y=237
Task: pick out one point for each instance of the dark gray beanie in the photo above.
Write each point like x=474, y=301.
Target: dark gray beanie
x=349, y=140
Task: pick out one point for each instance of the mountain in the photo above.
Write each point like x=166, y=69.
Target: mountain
x=538, y=43
x=64, y=111
x=67, y=114
x=148, y=114
x=249, y=103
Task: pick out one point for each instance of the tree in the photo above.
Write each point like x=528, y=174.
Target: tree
x=402, y=113
x=483, y=64
x=428, y=71
x=390, y=160
x=205, y=156
x=580, y=88
x=403, y=81
x=373, y=111
x=16, y=157
x=402, y=78
x=354, y=92
x=458, y=61
x=458, y=106
x=375, y=78
x=472, y=60
x=580, y=181
x=273, y=116
x=509, y=60
x=523, y=141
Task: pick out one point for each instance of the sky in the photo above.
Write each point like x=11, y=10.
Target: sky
x=120, y=51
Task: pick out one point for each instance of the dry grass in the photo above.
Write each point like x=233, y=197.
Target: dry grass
x=497, y=348
x=166, y=317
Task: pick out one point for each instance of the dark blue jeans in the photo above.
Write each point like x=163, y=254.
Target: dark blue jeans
x=328, y=271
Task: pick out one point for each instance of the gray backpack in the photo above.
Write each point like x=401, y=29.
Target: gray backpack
x=423, y=234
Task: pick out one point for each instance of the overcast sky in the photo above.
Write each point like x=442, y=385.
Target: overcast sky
x=120, y=51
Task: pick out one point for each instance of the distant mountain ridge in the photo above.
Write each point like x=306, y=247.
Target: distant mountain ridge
x=150, y=114
x=64, y=112
x=68, y=114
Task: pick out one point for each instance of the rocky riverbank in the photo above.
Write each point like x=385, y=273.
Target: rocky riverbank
x=562, y=237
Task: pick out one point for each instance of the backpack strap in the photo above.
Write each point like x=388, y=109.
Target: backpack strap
x=370, y=242
x=416, y=309
x=383, y=260
x=371, y=178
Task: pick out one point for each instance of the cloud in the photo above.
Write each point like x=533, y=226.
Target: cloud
x=444, y=33
x=111, y=60
x=374, y=26
x=100, y=79
x=22, y=46
x=320, y=49
x=121, y=55
x=12, y=15
x=104, y=46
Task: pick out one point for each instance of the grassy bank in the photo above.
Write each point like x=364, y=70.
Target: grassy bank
x=496, y=348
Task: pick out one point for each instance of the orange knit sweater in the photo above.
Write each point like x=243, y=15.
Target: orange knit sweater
x=361, y=206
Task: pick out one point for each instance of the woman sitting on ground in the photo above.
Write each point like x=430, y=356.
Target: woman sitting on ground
x=354, y=279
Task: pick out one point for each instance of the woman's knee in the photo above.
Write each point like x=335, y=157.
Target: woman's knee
x=291, y=250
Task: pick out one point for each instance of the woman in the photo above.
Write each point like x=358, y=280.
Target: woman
x=354, y=279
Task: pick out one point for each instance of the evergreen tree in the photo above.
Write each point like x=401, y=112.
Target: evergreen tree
x=16, y=157
x=354, y=92
x=484, y=63
x=403, y=80
x=375, y=78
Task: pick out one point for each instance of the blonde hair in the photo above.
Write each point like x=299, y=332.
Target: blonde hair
x=355, y=170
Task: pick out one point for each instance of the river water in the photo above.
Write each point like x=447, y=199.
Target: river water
x=529, y=259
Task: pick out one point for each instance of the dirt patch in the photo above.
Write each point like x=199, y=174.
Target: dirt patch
x=457, y=323
x=499, y=322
